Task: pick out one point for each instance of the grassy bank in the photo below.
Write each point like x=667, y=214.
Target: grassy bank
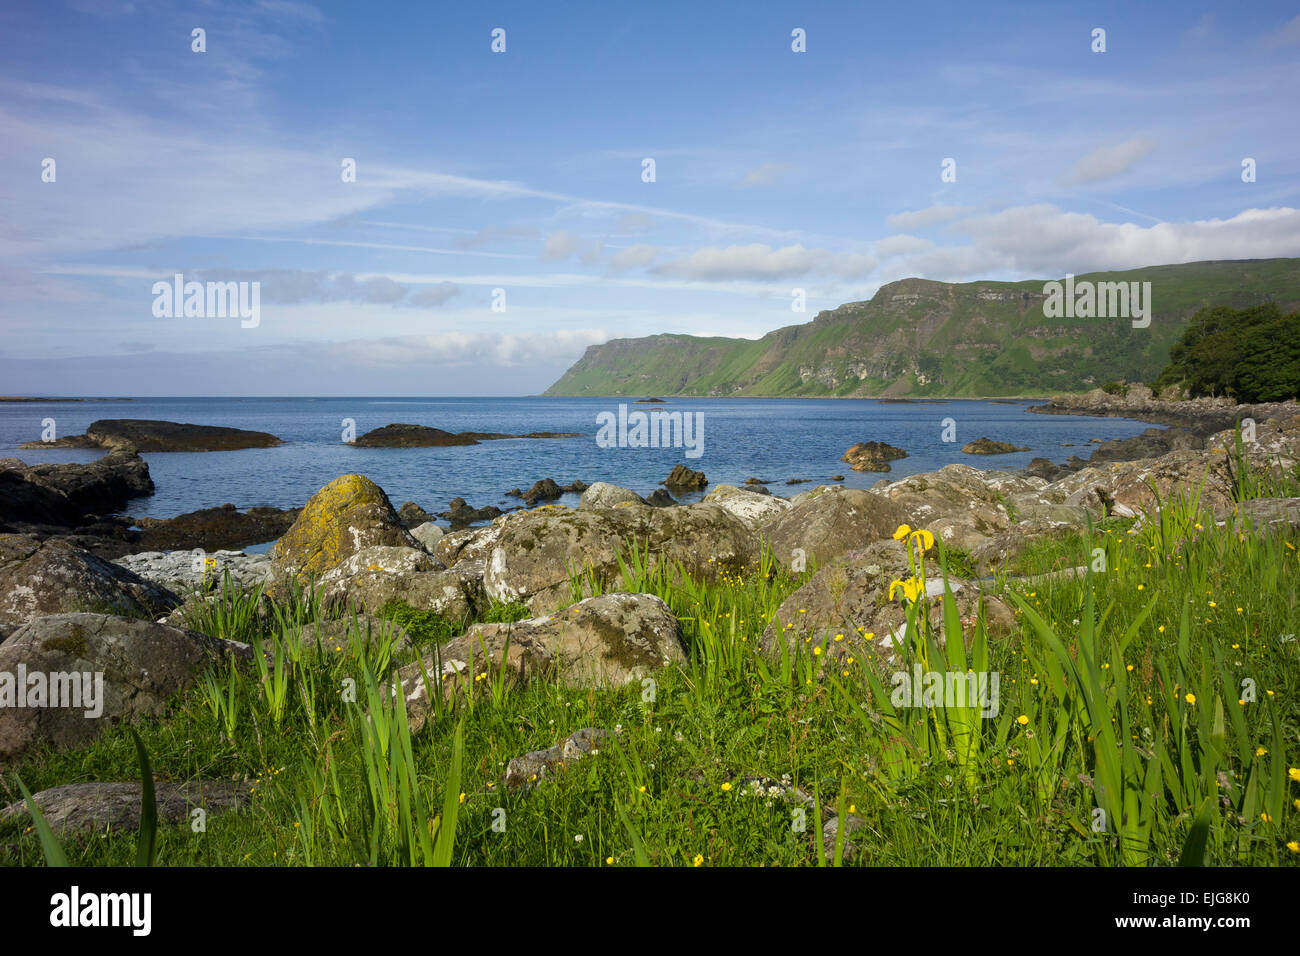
x=1148, y=713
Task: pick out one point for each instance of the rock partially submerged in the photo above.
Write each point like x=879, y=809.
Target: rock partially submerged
x=547, y=490
x=402, y=435
x=682, y=478
x=872, y=456
x=213, y=529
x=65, y=495
x=987, y=446
x=154, y=436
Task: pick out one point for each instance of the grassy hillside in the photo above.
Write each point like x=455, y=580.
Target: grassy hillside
x=917, y=337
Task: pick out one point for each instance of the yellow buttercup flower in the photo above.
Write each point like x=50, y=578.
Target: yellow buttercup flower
x=699, y=859
x=1022, y=720
x=1294, y=773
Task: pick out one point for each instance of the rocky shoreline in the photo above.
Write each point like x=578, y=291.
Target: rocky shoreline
x=1204, y=416
x=64, y=607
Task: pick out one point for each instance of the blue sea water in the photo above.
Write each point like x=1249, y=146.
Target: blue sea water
x=772, y=439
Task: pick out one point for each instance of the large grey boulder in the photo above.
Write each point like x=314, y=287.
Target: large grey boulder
x=55, y=577
x=752, y=508
x=828, y=524
x=604, y=495
x=531, y=554
x=374, y=576
x=605, y=641
x=83, y=806
x=98, y=670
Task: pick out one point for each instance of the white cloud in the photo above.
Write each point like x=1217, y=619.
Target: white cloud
x=1107, y=162
x=633, y=257
x=758, y=261
x=922, y=218
x=559, y=246
x=901, y=245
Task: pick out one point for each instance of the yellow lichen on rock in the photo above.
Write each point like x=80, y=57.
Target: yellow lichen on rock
x=348, y=514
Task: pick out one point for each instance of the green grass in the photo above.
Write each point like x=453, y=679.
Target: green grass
x=1095, y=724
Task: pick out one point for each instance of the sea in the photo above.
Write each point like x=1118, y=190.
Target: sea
x=776, y=440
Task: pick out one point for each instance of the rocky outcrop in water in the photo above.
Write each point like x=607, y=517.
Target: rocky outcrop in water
x=872, y=456
x=987, y=446
x=423, y=436
x=66, y=495
x=682, y=478
x=153, y=436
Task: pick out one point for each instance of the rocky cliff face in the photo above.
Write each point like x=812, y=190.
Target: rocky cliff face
x=919, y=337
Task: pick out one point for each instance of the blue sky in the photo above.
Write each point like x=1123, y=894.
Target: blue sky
x=522, y=170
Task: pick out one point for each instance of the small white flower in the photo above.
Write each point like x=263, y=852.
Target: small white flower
x=577, y=838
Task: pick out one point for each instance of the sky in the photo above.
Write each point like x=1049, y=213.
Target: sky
x=502, y=217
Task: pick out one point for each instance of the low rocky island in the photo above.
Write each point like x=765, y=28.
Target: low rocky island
x=155, y=436
x=401, y=435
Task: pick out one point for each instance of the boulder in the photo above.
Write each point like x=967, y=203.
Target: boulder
x=533, y=767
x=547, y=490
x=142, y=665
x=605, y=641
x=347, y=515
x=987, y=446
x=335, y=636
x=752, y=508
x=184, y=571
x=604, y=495
x=225, y=527
x=1260, y=514
x=428, y=534
x=960, y=504
x=872, y=456
x=99, y=487
x=682, y=478
x=661, y=499
x=851, y=598
x=1152, y=443
x=532, y=553
x=375, y=576
x=1135, y=485
x=54, y=578
x=77, y=807
x=826, y=525
x=412, y=515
